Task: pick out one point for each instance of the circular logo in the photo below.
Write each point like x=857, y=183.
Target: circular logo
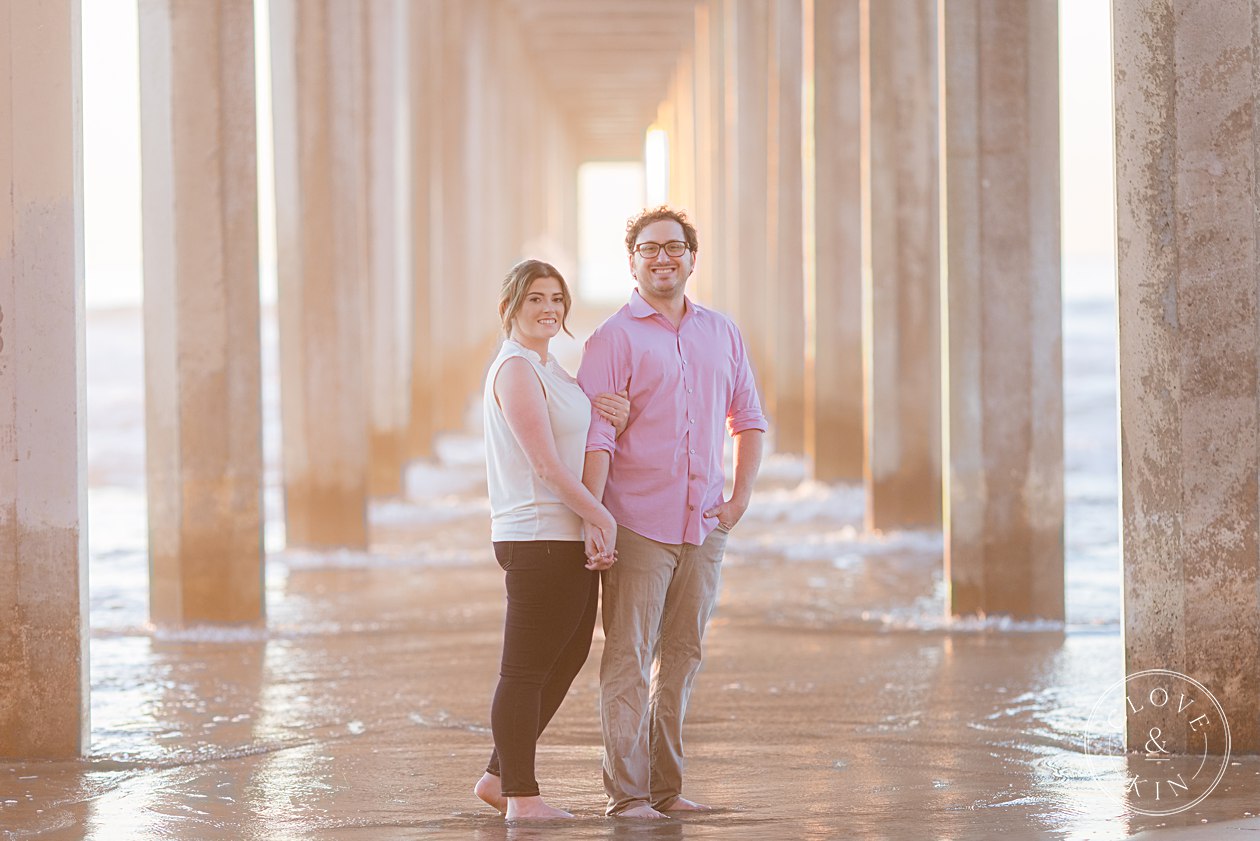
x=1178, y=746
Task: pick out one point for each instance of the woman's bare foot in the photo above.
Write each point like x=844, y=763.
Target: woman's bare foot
x=682, y=804
x=643, y=811
x=490, y=789
x=532, y=809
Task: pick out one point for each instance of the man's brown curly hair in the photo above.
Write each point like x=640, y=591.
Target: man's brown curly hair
x=649, y=215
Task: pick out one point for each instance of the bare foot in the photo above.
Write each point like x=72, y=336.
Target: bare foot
x=682, y=804
x=490, y=789
x=643, y=811
x=532, y=809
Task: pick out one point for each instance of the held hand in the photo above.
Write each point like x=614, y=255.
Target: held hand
x=601, y=550
x=614, y=407
x=728, y=513
x=601, y=562
x=594, y=540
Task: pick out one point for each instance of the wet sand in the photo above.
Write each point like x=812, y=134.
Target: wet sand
x=362, y=711
x=836, y=700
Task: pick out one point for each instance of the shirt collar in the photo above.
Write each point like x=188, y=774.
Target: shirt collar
x=640, y=308
x=532, y=354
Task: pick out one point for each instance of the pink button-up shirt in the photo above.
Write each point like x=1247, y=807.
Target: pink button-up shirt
x=685, y=386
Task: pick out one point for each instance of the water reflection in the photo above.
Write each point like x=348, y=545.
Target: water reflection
x=199, y=716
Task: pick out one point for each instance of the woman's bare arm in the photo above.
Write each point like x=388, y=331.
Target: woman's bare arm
x=520, y=395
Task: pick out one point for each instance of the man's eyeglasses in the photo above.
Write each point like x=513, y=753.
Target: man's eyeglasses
x=648, y=250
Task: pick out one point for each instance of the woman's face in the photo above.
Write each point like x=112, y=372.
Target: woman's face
x=542, y=311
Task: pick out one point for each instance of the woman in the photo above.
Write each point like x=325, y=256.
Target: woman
x=536, y=419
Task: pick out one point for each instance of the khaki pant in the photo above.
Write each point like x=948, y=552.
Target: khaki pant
x=657, y=599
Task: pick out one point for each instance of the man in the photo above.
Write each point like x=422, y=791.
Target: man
x=688, y=375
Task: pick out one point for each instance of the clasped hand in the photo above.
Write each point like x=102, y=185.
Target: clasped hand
x=601, y=551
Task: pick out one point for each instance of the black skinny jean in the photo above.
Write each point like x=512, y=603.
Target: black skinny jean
x=551, y=600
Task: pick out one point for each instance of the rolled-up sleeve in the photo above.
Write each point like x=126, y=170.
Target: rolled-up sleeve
x=744, y=412
x=601, y=371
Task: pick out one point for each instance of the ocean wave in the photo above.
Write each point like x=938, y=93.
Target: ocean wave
x=235, y=634
x=300, y=559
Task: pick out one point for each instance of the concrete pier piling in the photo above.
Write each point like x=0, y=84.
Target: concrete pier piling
x=1002, y=373
x=901, y=265
x=203, y=410
x=318, y=63
x=43, y=474
x=1189, y=306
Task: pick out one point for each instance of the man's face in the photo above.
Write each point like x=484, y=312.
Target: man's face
x=661, y=276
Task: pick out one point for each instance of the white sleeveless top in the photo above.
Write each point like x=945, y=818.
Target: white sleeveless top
x=521, y=506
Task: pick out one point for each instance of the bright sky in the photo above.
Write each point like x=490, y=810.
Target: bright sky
x=1086, y=132
x=608, y=194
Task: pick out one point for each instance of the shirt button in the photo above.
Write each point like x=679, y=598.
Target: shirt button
x=692, y=476
x=689, y=391
x=693, y=420
x=691, y=508
x=693, y=452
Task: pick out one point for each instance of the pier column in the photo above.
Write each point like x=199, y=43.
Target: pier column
x=1003, y=386
x=43, y=470
x=317, y=77
x=388, y=329
x=203, y=413
x=785, y=282
x=711, y=212
x=486, y=218
x=1186, y=152
x=565, y=163
x=559, y=219
x=710, y=151
x=900, y=266
x=682, y=133
x=456, y=283
x=747, y=57
x=505, y=158
x=423, y=26
x=833, y=247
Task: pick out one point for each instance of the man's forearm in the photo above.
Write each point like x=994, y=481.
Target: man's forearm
x=748, y=449
x=595, y=472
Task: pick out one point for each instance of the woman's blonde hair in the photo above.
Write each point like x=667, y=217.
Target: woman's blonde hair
x=516, y=286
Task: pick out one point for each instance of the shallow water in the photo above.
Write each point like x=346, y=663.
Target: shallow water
x=837, y=699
